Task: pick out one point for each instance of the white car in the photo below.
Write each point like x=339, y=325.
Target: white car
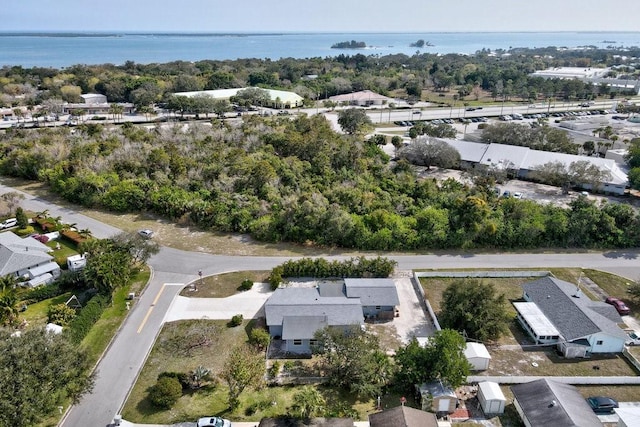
x=213, y=422
x=146, y=233
x=634, y=339
x=517, y=195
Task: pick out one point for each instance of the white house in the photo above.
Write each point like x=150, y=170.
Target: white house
x=491, y=398
x=25, y=258
x=557, y=312
x=477, y=355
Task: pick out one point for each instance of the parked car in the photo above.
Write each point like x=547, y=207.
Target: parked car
x=146, y=233
x=507, y=193
x=634, y=339
x=8, y=223
x=618, y=304
x=602, y=404
x=213, y=422
x=517, y=195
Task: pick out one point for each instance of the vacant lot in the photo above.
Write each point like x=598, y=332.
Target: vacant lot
x=222, y=285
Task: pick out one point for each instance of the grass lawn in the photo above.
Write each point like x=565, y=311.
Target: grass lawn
x=622, y=393
x=36, y=314
x=223, y=285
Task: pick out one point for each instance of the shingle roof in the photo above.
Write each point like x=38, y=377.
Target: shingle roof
x=302, y=327
x=19, y=254
x=403, y=416
x=572, y=313
x=373, y=291
x=548, y=403
x=306, y=302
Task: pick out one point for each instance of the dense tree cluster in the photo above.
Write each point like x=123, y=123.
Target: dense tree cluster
x=296, y=180
x=633, y=157
x=545, y=138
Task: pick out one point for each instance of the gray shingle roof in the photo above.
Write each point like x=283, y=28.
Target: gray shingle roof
x=549, y=403
x=302, y=327
x=18, y=254
x=403, y=416
x=373, y=291
x=304, y=302
x=571, y=312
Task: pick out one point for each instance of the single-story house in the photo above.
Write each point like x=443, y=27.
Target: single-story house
x=545, y=402
x=25, y=258
x=278, y=98
x=523, y=162
x=403, y=416
x=557, y=312
x=379, y=297
x=295, y=314
x=491, y=397
x=437, y=397
x=477, y=355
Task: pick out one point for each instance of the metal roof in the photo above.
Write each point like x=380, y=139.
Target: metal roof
x=491, y=391
x=536, y=319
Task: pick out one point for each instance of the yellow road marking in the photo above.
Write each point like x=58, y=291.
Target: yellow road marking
x=146, y=317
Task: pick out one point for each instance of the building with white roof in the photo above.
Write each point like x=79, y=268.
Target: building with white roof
x=581, y=73
x=477, y=355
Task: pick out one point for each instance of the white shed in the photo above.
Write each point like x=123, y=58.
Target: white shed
x=477, y=355
x=491, y=398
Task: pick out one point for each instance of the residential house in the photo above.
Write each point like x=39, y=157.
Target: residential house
x=295, y=314
x=546, y=402
x=403, y=416
x=558, y=312
x=26, y=259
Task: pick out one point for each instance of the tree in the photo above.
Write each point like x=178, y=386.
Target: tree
x=60, y=314
x=475, y=308
x=12, y=199
x=244, y=368
x=581, y=172
x=8, y=300
x=431, y=152
x=354, y=121
x=308, y=402
x=40, y=370
x=165, y=392
x=441, y=359
x=251, y=96
x=21, y=217
x=138, y=247
x=260, y=338
x=352, y=360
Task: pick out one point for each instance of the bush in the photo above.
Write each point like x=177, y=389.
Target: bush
x=73, y=236
x=60, y=314
x=246, y=285
x=42, y=293
x=88, y=316
x=182, y=378
x=236, y=320
x=22, y=232
x=165, y=392
x=259, y=338
x=274, y=369
x=482, y=125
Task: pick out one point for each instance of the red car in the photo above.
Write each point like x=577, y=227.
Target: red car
x=619, y=305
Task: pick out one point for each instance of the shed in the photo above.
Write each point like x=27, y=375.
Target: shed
x=438, y=398
x=491, y=398
x=477, y=355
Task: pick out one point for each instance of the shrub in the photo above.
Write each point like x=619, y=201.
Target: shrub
x=246, y=285
x=182, y=378
x=73, y=236
x=236, y=320
x=25, y=231
x=60, y=314
x=259, y=338
x=165, y=392
x=274, y=369
x=88, y=316
x=42, y=293
x=482, y=125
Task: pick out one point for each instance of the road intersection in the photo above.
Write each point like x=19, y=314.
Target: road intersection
x=173, y=268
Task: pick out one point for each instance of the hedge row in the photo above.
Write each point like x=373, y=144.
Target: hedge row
x=42, y=293
x=87, y=317
x=73, y=236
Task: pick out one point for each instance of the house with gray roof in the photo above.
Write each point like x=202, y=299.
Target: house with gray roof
x=295, y=314
x=403, y=416
x=558, y=312
x=548, y=403
x=25, y=258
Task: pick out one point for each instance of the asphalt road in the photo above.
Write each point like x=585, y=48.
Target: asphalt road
x=172, y=268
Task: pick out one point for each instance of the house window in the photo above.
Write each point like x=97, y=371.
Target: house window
x=297, y=342
x=313, y=342
x=377, y=307
x=598, y=342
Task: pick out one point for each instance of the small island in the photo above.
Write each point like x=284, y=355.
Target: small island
x=349, y=45
x=421, y=43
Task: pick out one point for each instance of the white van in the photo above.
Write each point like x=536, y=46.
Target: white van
x=8, y=223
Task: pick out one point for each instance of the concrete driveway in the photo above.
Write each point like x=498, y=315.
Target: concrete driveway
x=249, y=303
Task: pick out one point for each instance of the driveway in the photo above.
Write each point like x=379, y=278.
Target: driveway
x=248, y=303
x=412, y=321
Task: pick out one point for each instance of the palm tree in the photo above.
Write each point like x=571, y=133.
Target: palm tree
x=308, y=402
x=86, y=233
x=8, y=300
x=199, y=374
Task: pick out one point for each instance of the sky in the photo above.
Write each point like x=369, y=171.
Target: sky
x=319, y=15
